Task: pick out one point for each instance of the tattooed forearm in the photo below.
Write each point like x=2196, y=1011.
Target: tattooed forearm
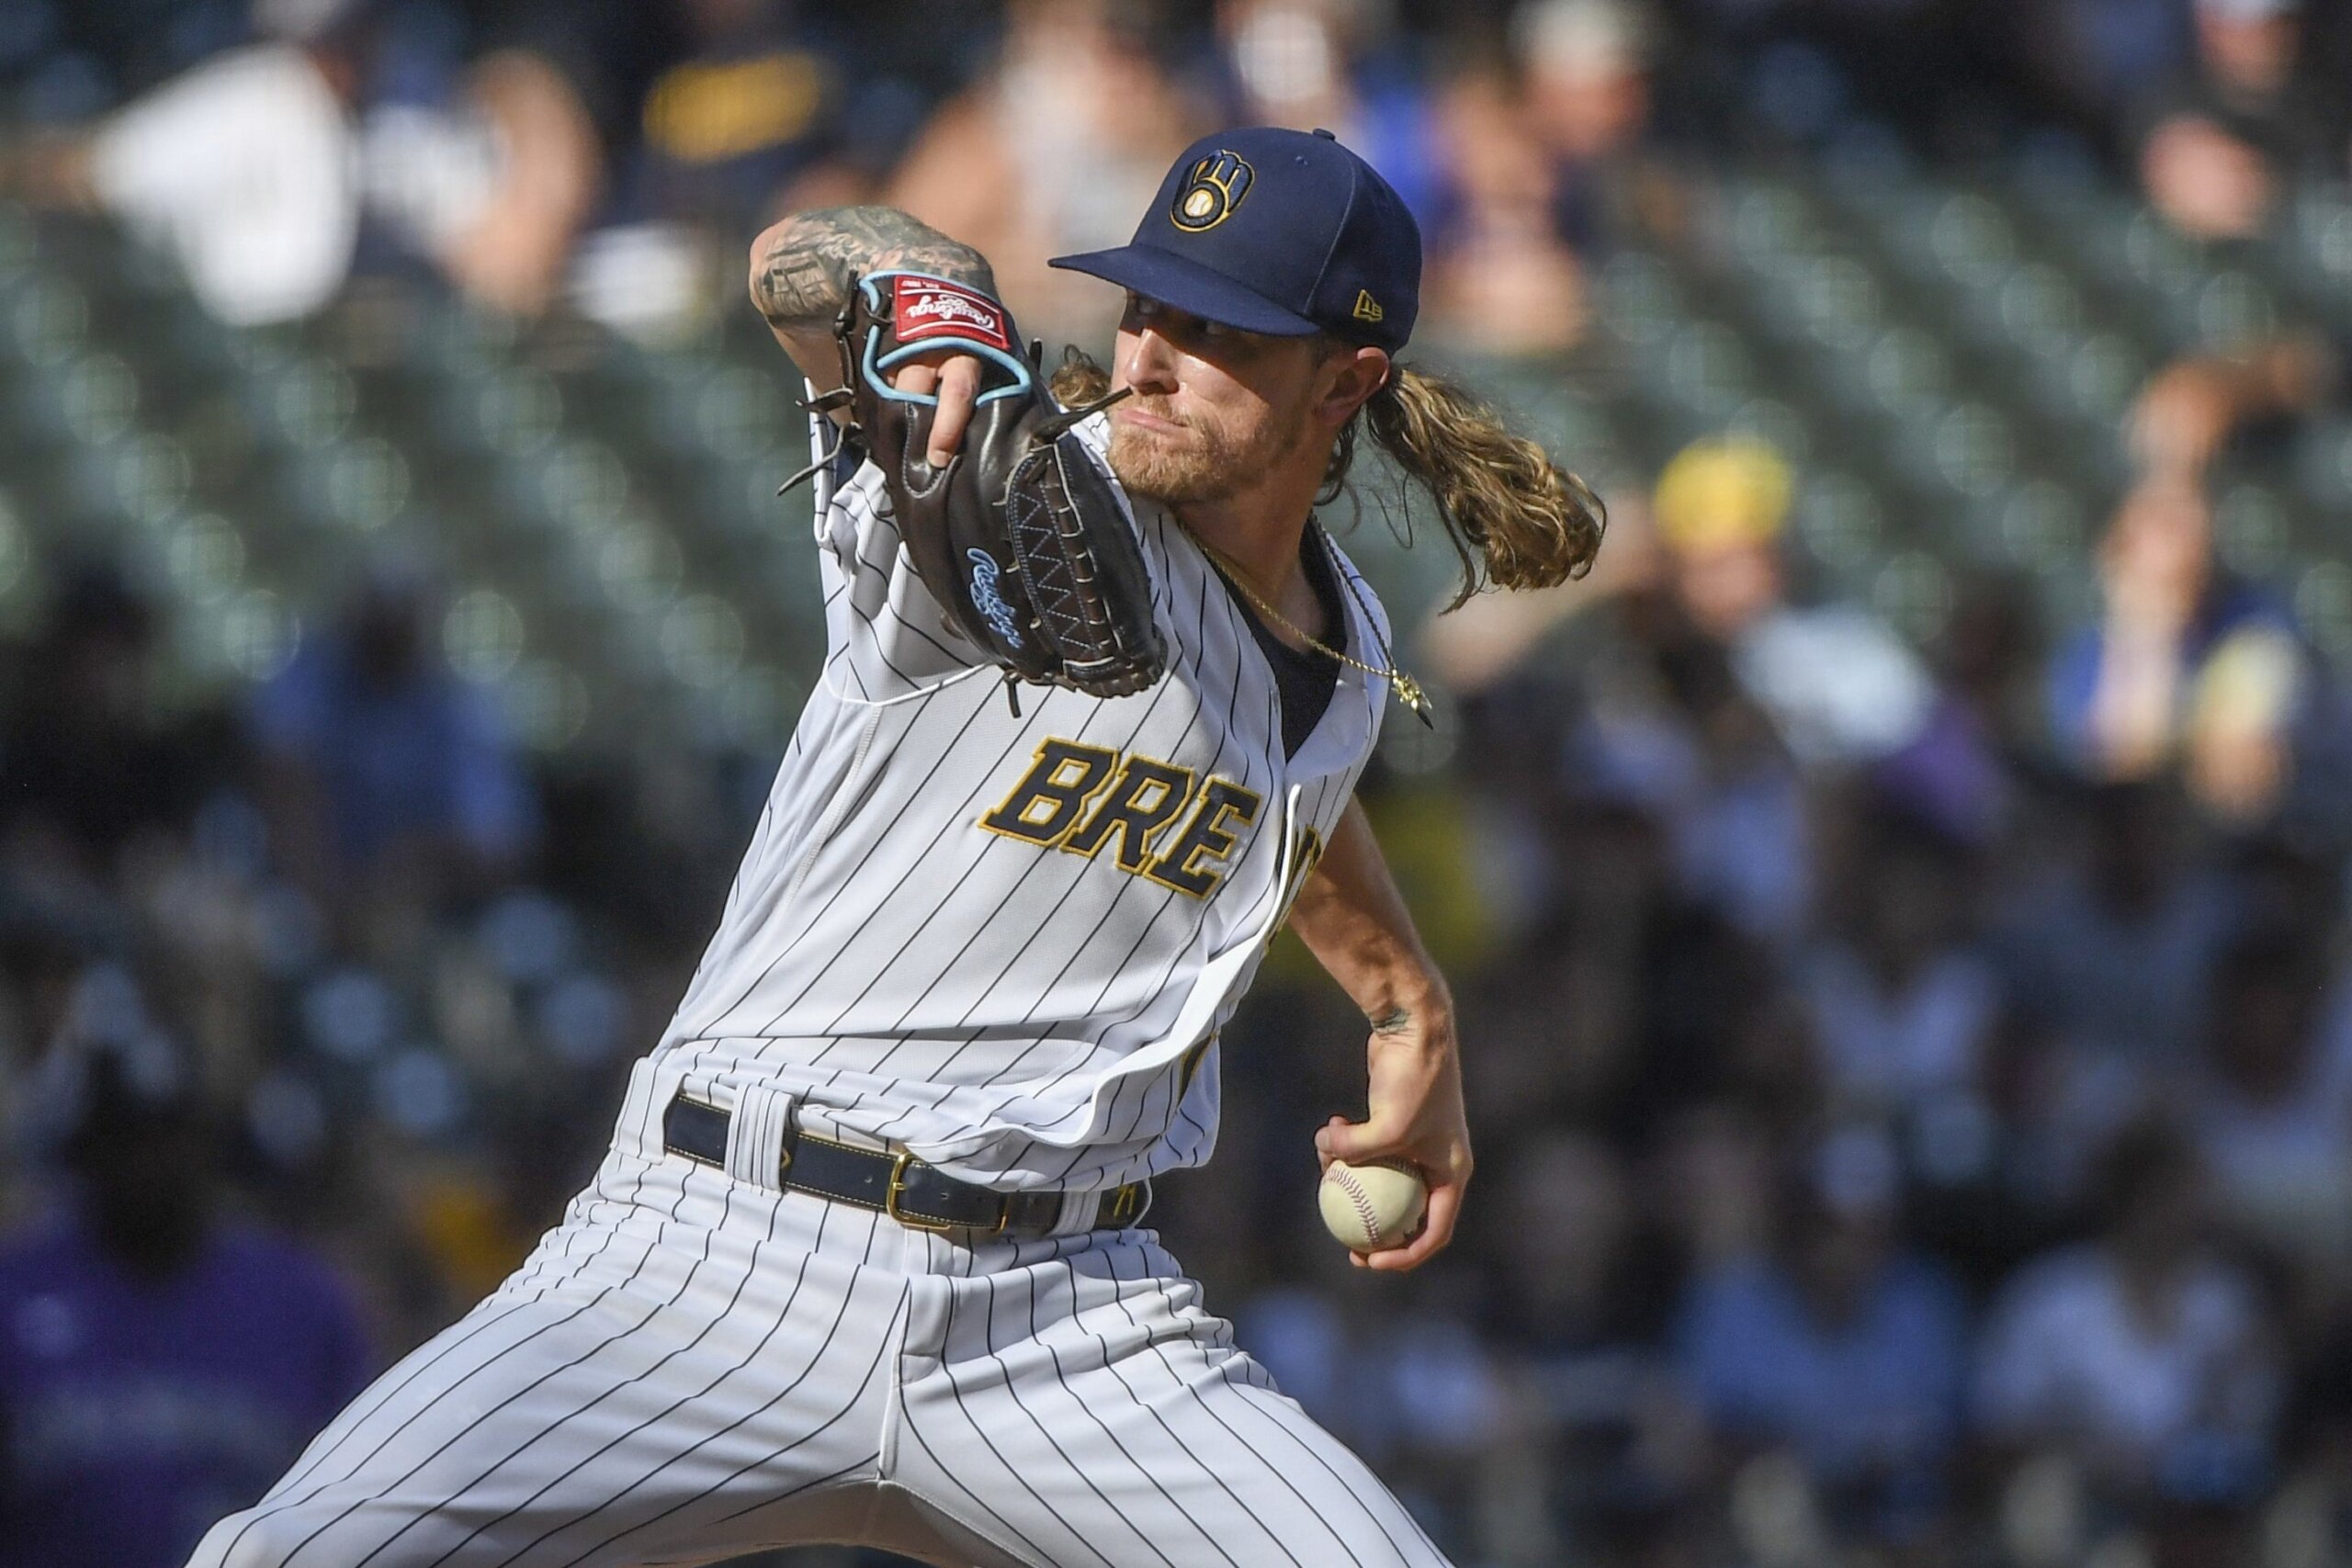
x=801, y=269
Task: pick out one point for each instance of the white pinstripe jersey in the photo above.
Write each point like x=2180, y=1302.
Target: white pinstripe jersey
x=1007, y=942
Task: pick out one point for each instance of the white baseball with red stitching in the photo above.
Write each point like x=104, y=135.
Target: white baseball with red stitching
x=1372, y=1206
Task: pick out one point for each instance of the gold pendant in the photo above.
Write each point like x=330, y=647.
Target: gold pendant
x=1409, y=692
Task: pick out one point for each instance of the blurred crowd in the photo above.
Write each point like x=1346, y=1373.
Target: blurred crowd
x=1912, y=1075
x=608, y=155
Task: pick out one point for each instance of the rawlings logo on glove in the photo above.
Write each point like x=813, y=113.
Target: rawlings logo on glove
x=986, y=575
x=932, y=307
x=1022, y=538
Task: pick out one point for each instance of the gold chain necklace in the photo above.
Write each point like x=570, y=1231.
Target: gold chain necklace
x=1408, y=690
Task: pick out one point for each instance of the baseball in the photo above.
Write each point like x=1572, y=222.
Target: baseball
x=1375, y=1205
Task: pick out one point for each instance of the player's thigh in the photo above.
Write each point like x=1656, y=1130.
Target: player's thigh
x=615, y=1423
x=1128, y=1431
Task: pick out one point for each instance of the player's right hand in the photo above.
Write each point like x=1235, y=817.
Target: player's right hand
x=1414, y=1114
x=956, y=378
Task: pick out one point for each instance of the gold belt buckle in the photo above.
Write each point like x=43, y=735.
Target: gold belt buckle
x=914, y=1222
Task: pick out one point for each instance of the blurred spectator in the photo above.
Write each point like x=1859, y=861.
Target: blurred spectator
x=490, y=158
x=1581, y=1306
x=1498, y=279
x=45, y=972
x=92, y=758
x=485, y=159
x=2189, y=409
x=1720, y=1177
x=1628, y=987
x=158, y=1366
x=1839, y=1344
x=1688, y=662
x=2272, y=1106
x=1900, y=1005
x=2143, y=1355
x=2244, y=118
x=385, y=772
x=2110, y=957
x=2187, y=664
x=1587, y=64
x=716, y=115
x=1719, y=774
x=255, y=168
x=1054, y=149
x=1961, y=773
x=1542, y=169
x=746, y=108
x=1840, y=686
x=241, y=168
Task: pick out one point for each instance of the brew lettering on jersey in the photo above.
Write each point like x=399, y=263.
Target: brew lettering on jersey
x=1081, y=799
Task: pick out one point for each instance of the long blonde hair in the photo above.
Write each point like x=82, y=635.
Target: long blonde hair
x=1515, y=518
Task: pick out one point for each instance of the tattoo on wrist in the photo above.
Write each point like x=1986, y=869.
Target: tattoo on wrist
x=803, y=278
x=1393, y=1021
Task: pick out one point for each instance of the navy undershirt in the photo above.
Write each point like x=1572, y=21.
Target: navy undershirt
x=1305, y=678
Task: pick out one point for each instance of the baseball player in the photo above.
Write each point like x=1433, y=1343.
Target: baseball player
x=863, y=1264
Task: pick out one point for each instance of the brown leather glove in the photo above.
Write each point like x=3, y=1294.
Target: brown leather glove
x=1022, y=537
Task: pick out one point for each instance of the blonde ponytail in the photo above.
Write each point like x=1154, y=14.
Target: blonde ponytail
x=1514, y=517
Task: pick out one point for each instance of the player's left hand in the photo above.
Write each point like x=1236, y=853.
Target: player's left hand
x=1414, y=1112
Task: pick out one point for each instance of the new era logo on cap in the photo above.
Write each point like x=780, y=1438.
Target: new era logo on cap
x=1276, y=231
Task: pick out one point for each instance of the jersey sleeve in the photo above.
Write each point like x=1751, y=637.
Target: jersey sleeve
x=887, y=638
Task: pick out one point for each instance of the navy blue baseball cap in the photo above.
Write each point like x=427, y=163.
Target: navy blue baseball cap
x=1279, y=231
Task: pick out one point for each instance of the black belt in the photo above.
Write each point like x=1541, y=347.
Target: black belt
x=917, y=1195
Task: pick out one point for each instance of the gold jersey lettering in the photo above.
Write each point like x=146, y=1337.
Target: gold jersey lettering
x=1193, y=862
x=1149, y=795
x=1080, y=798
x=1053, y=795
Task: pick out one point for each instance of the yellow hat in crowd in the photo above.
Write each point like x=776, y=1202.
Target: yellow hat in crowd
x=1718, y=495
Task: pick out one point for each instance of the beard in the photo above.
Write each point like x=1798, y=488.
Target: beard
x=1203, y=461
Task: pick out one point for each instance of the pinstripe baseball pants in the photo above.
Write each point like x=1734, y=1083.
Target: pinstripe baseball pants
x=696, y=1364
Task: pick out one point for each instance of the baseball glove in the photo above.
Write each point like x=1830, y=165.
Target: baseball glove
x=1021, y=538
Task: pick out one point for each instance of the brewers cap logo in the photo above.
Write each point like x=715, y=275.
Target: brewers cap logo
x=1211, y=191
